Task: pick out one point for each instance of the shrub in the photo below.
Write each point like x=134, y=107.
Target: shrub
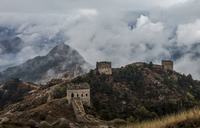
x=131, y=119
x=59, y=91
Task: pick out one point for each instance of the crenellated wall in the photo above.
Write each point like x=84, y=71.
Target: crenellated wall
x=167, y=65
x=104, y=68
x=82, y=94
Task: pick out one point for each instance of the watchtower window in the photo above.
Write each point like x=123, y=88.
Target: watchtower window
x=86, y=95
x=72, y=95
x=77, y=95
x=81, y=95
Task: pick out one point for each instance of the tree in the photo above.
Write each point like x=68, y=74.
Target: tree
x=150, y=65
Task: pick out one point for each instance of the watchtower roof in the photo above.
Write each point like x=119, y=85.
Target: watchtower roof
x=167, y=61
x=72, y=86
x=104, y=62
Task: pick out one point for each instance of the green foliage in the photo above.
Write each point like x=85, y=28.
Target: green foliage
x=150, y=65
x=158, y=78
x=128, y=83
x=141, y=113
x=169, y=81
x=130, y=74
x=59, y=91
x=79, y=79
x=185, y=81
x=13, y=91
x=190, y=96
x=131, y=119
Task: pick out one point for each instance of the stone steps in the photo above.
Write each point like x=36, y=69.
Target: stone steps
x=80, y=113
x=79, y=110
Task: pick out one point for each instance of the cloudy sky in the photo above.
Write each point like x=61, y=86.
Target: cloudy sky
x=63, y=5
x=116, y=30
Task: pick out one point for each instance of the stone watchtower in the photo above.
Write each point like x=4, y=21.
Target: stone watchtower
x=167, y=65
x=104, y=68
x=79, y=91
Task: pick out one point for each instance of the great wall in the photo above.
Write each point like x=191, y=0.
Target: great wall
x=80, y=113
x=78, y=95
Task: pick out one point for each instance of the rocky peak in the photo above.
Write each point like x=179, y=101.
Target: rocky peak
x=60, y=60
x=60, y=49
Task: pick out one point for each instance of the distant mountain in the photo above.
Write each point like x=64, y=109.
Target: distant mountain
x=61, y=60
x=10, y=45
x=13, y=44
x=9, y=41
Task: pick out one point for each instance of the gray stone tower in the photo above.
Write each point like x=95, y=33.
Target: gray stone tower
x=79, y=91
x=104, y=68
x=168, y=65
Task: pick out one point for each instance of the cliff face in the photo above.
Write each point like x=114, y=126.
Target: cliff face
x=61, y=60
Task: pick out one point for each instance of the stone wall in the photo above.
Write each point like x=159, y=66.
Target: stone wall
x=104, y=68
x=167, y=65
x=83, y=94
x=81, y=115
x=79, y=110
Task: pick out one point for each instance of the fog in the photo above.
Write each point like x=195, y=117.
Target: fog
x=119, y=31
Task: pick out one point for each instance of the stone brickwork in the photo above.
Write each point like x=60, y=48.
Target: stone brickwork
x=81, y=91
x=167, y=65
x=104, y=68
x=79, y=95
x=81, y=115
x=79, y=110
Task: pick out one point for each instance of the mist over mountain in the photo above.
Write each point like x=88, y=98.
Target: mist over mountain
x=146, y=52
x=61, y=60
x=15, y=50
x=133, y=31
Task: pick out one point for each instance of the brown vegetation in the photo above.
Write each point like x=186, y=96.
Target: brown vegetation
x=187, y=119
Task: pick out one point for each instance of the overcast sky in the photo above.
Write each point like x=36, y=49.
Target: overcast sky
x=64, y=5
x=100, y=30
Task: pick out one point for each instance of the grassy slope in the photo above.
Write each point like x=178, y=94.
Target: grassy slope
x=187, y=119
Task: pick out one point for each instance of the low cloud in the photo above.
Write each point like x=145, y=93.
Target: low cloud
x=121, y=32
x=188, y=34
x=188, y=65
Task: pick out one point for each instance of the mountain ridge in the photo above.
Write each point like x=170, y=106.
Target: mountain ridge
x=60, y=60
x=136, y=92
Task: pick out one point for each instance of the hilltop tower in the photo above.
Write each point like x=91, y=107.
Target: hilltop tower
x=104, y=68
x=167, y=65
x=79, y=91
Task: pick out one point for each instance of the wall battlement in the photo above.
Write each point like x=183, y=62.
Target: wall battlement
x=78, y=95
x=168, y=65
x=104, y=68
x=80, y=91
